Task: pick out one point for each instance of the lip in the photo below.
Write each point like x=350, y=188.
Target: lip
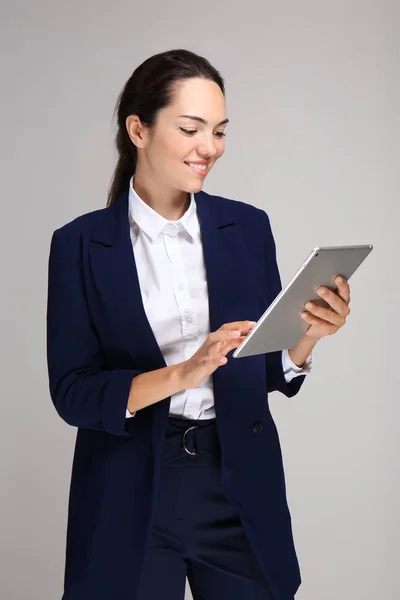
x=198, y=162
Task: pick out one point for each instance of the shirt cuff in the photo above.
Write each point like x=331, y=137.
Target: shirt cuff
x=129, y=415
x=291, y=370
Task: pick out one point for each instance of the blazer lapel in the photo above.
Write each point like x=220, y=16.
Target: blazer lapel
x=228, y=265
x=234, y=295
x=116, y=278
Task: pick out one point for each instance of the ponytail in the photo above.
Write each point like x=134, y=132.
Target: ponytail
x=126, y=165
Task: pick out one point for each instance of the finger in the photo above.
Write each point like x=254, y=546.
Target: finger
x=334, y=301
x=224, y=335
x=239, y=325
x=343, y=288
x=326, y=327
x=222, y=348
x=224, y=341
x=325, y=314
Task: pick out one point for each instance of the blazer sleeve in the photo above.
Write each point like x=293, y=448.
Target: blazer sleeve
x=276, y=380
x=84, y=393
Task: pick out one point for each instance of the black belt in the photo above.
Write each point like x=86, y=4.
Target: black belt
x=191, y=438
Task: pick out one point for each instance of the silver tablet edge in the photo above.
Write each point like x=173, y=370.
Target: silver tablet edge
x=286, y=289
x=271, y=306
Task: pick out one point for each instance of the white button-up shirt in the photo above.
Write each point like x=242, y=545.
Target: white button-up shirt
x=173, y=284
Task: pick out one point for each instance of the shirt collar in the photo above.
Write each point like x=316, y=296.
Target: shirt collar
x=152, y=223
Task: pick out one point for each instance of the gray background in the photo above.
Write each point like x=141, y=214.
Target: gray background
x=313, y=97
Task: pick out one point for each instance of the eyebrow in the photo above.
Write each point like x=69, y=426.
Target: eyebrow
x=203, y=120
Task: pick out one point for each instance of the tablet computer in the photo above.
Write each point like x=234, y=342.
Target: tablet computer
x=281, y=327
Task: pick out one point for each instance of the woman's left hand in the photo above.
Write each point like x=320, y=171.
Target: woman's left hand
x=327, y=321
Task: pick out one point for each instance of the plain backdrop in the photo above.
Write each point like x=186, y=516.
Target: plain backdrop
x=313, y=99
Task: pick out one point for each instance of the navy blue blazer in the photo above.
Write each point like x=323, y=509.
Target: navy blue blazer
x=99, y=338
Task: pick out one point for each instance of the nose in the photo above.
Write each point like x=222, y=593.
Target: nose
x=208, y=148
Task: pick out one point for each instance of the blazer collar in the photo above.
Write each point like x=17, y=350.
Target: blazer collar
x=115, y=218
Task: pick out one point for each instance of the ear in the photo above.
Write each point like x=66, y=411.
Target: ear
x=136, y=130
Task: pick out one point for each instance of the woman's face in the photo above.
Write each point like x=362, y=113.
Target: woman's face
x=176, y=141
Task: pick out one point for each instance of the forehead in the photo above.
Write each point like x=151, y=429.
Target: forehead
x=200, y=97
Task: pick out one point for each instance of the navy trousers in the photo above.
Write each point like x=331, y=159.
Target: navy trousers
x=197, y=533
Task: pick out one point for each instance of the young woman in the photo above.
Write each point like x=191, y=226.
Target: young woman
x=177, y=468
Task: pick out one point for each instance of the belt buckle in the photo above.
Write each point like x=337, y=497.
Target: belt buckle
x=184, y=439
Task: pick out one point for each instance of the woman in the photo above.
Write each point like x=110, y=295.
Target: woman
x=177, y=469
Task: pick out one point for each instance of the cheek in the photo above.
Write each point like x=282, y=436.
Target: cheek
x=164, y=146
x=177, y=148
x=221, y=149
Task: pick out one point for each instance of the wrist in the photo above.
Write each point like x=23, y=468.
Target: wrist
x=299, y=353
x=179, y=374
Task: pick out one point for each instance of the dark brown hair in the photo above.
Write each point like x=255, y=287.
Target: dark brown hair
x=149, y=89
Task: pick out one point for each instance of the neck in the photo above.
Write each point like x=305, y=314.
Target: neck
x=170, y=204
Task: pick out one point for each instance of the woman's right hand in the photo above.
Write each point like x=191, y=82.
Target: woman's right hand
x=212, y=354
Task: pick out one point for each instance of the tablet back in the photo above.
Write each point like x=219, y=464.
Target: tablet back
x=281, y=326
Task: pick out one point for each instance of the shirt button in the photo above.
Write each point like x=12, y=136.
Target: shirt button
x=189, y=319
x=257, y=427
x=181, y=286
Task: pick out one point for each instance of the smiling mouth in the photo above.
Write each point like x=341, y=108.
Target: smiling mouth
x=201, y=169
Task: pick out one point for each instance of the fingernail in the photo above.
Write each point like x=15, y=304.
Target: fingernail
x=251, y=322
x=236, y=333
x=322, y=290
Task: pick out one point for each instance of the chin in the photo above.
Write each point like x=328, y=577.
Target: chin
x=195, y=187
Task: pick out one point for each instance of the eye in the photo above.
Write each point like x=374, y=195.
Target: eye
x=219, y=134
x=188, y=131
